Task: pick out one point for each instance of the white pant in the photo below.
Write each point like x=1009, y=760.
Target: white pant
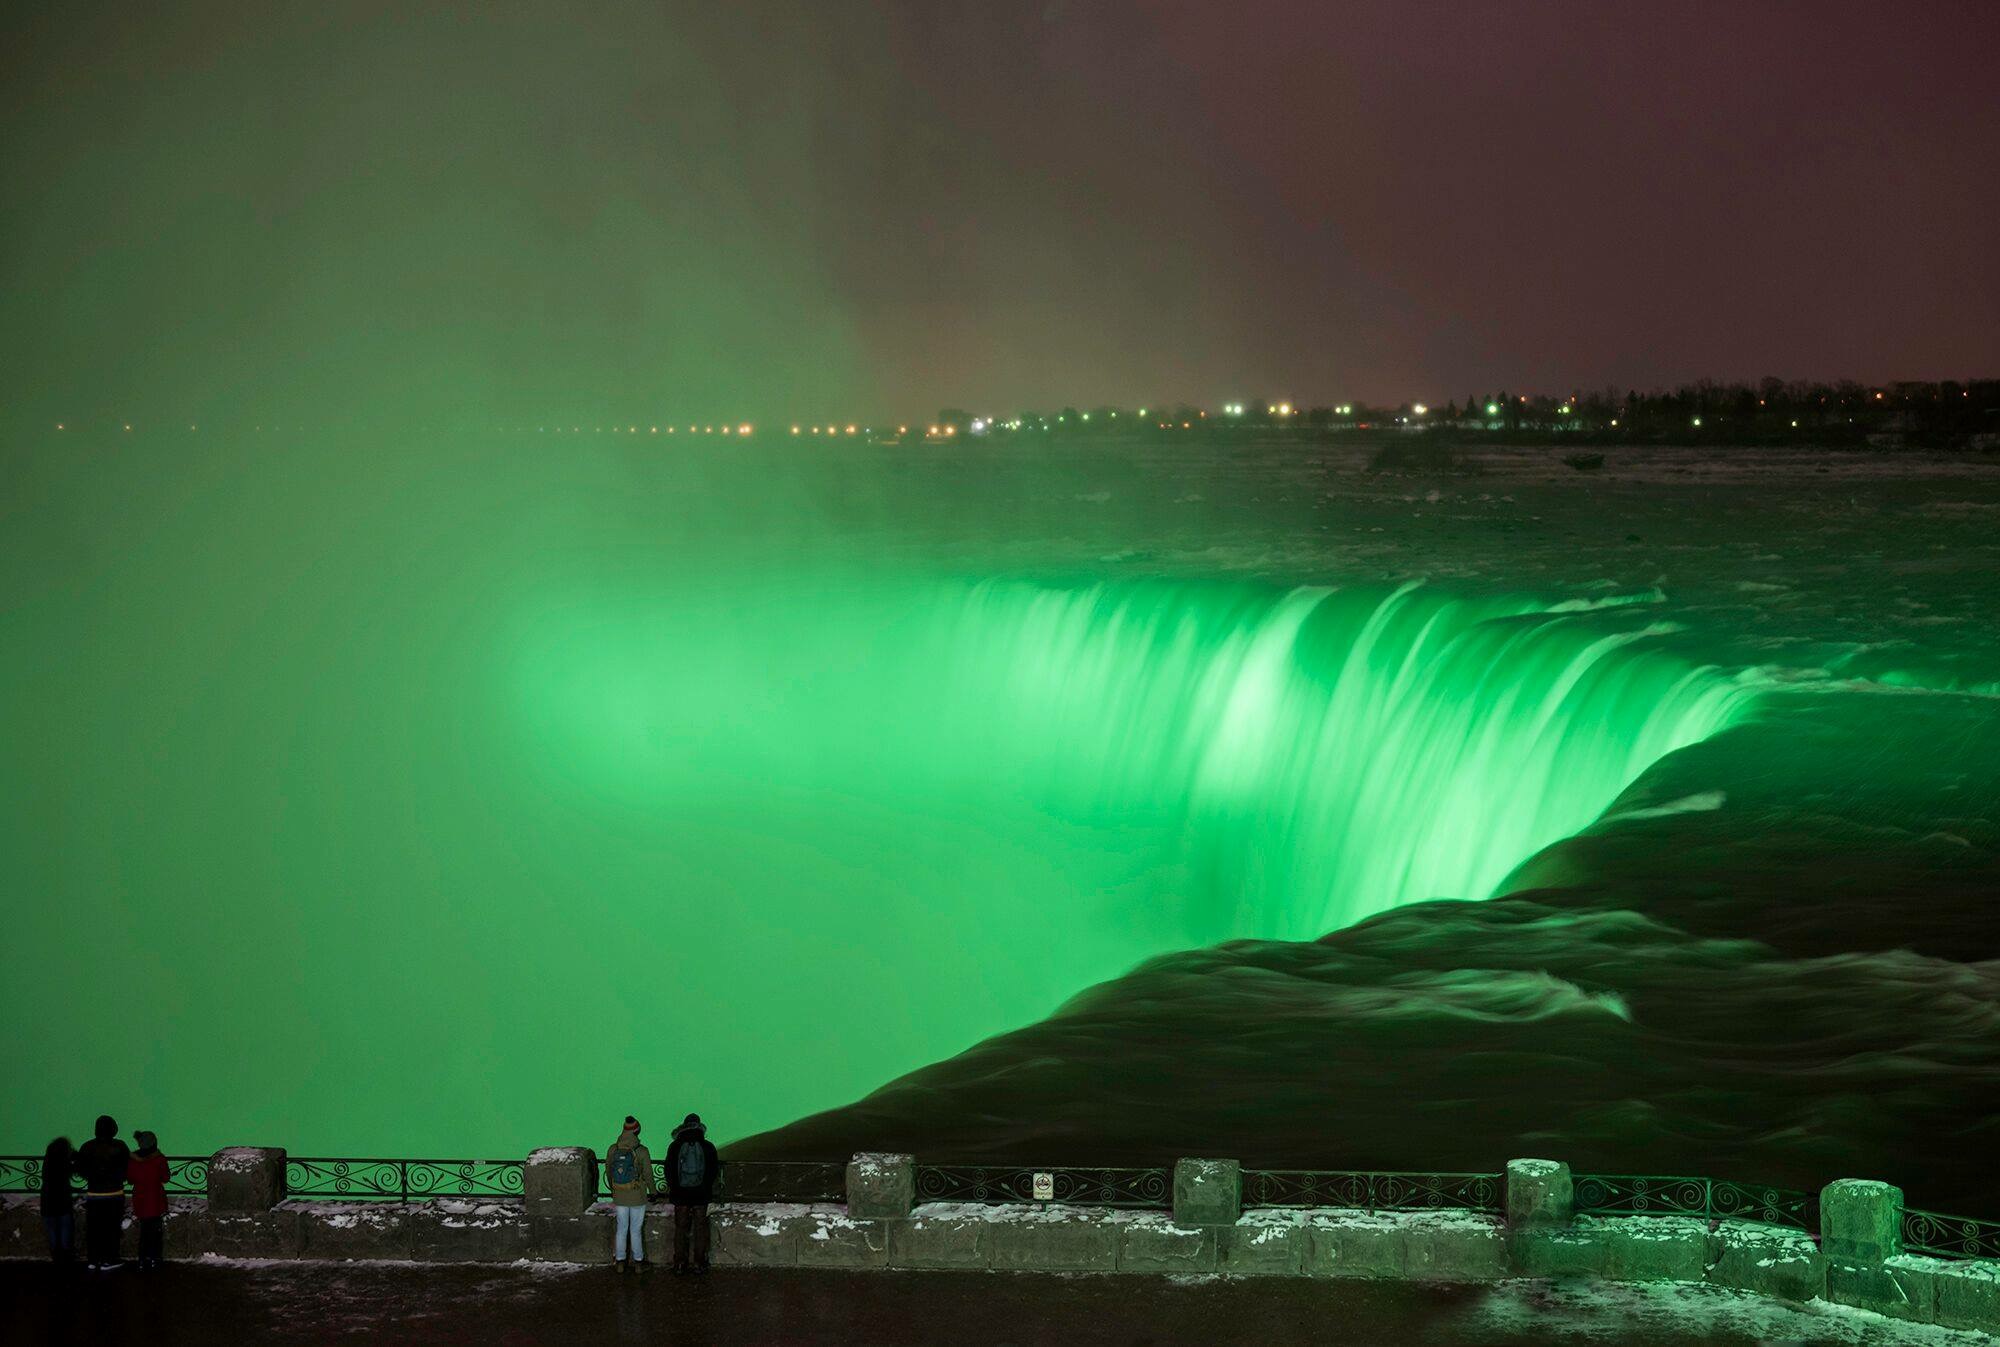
x=631, y=1222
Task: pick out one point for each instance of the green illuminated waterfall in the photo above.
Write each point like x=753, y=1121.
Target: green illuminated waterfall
x=1324, y=755
x=843, y=826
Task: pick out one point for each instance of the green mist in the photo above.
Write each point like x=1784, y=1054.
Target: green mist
x=450, y=803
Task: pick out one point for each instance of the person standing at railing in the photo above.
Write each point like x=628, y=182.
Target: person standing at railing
x=148, y=1172
x=692, y=1167
x=103, y=1161
x=630, y=1168
x=58, y=1203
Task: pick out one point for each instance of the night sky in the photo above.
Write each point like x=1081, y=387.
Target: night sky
x=333, y=211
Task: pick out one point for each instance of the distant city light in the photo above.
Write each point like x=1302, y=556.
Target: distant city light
x=850, y=430
x=1420, y=409
x=1493, y=409
x=795, y=430
x=743, y=429
x=1697, y=420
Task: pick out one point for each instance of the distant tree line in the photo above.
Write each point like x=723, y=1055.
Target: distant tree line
x=1943, y=414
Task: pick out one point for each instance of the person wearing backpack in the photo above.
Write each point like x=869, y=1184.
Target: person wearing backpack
x=629, y=1166
x=692, y=1168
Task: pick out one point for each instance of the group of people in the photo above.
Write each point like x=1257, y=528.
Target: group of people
x=106, y=1165
x=692, y=1168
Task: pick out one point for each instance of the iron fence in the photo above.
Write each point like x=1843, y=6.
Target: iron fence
x=1709, y=1199
x=762, y=1180
x=321, y=1177
x=324, y=1177
x=187, y=1175
x=1374, y=1191
x=1950, y=1236
x=1084, y=1186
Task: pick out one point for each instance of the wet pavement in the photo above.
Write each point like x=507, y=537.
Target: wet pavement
x=221, y=1303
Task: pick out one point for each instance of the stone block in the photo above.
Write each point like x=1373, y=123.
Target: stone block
x=1055, y=1239
x=246, y=1178
x=1901, y=1287
x=1860, y=1220
x=1539, y=1194
x=572, y=1239
x=1455, y=1247
x=1657, y=1248
x=1354, y=1245
x=755, y=1236
x=1768, y=1260
x=1583, y=1250
x=1207, y=1192
x=344, y=1231
x=559, y=1181
x=1968, y=1295
x=881, y=1186
x=1156, y=1243
x=1262, y=1243
x=452, y=1230
x=830, y=1238
x=941, y=1236
x=258, y=1234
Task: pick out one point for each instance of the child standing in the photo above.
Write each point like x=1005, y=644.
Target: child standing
x=148, y=1172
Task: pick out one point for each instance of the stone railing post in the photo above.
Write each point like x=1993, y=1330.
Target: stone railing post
x=1860, y=1220
x=1860, y=1236
x=1539, y=1195
x=1207, y=1192
x=881, y=1186
x=559, y=1181
x=246, y=1178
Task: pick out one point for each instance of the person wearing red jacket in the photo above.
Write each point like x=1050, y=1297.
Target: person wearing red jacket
x=148, y=1173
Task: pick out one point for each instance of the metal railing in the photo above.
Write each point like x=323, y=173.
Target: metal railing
x=1708, y=1199
x=1084, y=1186
x=1949, y=1236
x=1366, y=1190
x=761, y=1180
x=331, y=1177
x=187, y=1175
x=322, y=1177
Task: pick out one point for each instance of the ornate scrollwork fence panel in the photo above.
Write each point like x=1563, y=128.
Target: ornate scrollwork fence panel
x=1708, y=1199
x=761, y=1181
x=187, y=1175
x=1950, y=1236
x=1364, y=1190
x=782, y=1181
x=1085, y=1186
x=400, y=1180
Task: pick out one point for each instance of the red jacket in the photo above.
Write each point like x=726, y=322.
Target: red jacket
x=149, y=1184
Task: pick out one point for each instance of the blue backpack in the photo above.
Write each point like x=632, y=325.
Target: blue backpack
x=624, y=1168
x=691, y=1165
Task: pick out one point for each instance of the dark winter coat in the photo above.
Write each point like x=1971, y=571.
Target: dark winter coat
x=148, y=1172
x=57, y=1170
x=703, y=1192
x=103, y=1161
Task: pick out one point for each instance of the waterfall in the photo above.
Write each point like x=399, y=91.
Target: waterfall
x=1324, y=754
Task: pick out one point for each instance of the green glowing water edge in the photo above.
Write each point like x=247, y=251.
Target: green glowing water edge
x=1327, y=755
x=450, y=885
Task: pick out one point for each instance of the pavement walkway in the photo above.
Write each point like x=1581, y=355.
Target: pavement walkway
x=212, y=1303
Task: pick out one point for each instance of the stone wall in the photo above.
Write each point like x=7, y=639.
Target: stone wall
x=1858, y=1261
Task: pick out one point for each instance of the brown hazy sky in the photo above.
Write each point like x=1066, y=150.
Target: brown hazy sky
x=782, y=208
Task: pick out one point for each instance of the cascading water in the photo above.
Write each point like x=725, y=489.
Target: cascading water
x=1323, y=754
